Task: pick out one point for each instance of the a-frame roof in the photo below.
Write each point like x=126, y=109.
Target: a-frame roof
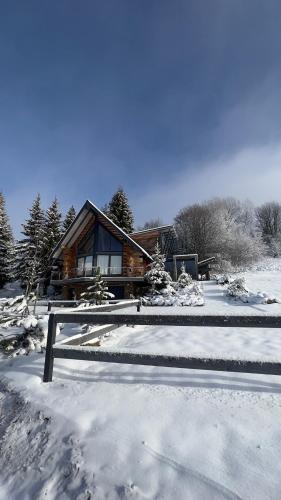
x=80, y=222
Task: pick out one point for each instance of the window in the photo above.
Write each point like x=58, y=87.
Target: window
x=86, y=245
x=85, y=266
x=103, y=263
x=110, y=264
x=88, y=265
x=80, y=266
x=107, y=242
x=115, y=264
x=99, y=248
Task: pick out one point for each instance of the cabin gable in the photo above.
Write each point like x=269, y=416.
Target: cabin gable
x=97, y=243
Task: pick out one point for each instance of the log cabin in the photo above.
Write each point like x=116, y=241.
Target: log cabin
x=93, y=241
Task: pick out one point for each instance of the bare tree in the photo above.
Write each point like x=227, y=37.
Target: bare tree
x=268, y=218
x=197, y=229
x=223, y=228
x=150, y=224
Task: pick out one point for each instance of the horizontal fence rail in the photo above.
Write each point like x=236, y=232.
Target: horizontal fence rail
x=170, y=319
x=190, y=362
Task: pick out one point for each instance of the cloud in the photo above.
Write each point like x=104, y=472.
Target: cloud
x=252, y=173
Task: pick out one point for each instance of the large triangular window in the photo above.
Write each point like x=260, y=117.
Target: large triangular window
x=106, y=242
x=99, y=249
x=86, y=245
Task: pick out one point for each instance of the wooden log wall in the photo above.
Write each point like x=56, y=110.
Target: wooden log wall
x=134, y=262
x=147, y=240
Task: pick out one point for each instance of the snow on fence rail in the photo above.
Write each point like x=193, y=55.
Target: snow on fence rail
x=129, y=357
x=68, y=303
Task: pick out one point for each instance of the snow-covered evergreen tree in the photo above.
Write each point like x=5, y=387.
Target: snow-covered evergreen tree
x=29, y=250
x=157, y=277
x=184, y=278
x=120, y=212
x=53, y=233
x=7, y=253
x=98, y=292
x=69, y=218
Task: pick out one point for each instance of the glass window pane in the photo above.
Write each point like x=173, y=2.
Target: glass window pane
x=107, y=242
x=116, y=264
x=80, y=266
x=103, y=263
x=85, y=246
x=88, y=265
x=103, y=240
x=115, y=245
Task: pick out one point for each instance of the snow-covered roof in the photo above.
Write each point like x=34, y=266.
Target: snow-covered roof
x=205, y=261
x=165, y=228
x=80, y=222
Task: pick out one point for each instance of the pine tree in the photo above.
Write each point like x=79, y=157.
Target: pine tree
x=29, y=250
x=53, y=233
x=157, y=276
x=98, y=292
x=7, y=253
x=184, y=278
x=69, y=218
x=120, y=212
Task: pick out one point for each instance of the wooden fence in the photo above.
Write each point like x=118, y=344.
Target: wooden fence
x=73, y=350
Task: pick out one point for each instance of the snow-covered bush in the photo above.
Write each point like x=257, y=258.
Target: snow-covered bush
x=17, y=304
x=224, y=279
x=12, y=309
x=33, y=336
x=237, y=289
x=190, y=295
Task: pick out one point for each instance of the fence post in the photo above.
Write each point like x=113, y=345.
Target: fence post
x=49, y=358
x=49, y=306
x=139, y=306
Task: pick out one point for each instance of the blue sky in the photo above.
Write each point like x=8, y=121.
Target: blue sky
x=178, y=101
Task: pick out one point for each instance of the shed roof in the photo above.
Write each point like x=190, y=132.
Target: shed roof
x=162, y=229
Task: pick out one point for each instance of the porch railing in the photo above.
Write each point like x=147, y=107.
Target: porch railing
x=92, y=271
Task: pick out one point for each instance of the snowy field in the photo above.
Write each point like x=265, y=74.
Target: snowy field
x=105, y=431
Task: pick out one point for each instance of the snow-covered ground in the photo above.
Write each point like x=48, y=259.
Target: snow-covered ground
x=110, y=431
